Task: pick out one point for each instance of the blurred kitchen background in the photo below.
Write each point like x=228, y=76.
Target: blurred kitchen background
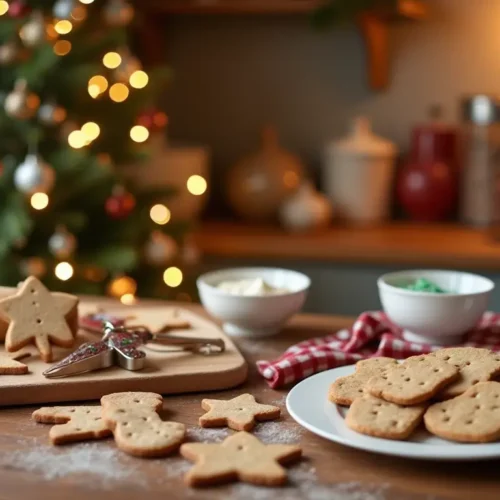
x=343, y=139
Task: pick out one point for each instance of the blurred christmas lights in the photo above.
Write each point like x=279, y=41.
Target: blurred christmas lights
x=97, y=85
x=4, y=7
x=63, y=27
x=196, y=185
x=118, y=92
x=39, y=201
x=128, y=299
x=112, y=60
x=77, y=139
x=172, y=277
x=63, y=271
x=138, y=133
x=122, y=285
x=91, y=131
x=138, y=79
x=159, y=214
x=62, y=47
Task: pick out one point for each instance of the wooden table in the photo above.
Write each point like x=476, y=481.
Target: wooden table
x=30, y=468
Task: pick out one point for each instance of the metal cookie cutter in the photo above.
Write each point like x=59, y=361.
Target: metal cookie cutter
x=120, y=345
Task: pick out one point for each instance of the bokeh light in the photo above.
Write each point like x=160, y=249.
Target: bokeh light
x=138, y=133
x=118, y=92
x=77, y=139
x=97, y=85
x=121, y=286
x=63, y=271
x=62, y=47
x=138, y=79
x=63, y=27
x=112, y=60
x=196, y=185
x=172, y=277
x=160, y=214
x=79, y=13
x=86, y=2
x=4, y=7
x=128, y=299
x=39, y=201
x=91, y=130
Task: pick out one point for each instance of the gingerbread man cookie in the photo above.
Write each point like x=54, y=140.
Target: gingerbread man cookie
x=73, y=423
x=239, y=413
x=137, y=427
x=36, y=316
x=239, y=457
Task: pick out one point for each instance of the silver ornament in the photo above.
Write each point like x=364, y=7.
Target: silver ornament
x=118, y=12
x=34, y=175
x=50, y=113
x=62, y=9
x=62, y=243
x=33, y=32
x=20, y=103
x=8, y=52
x=160, y=249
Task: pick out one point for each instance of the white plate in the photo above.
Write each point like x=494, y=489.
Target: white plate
x=308, y=404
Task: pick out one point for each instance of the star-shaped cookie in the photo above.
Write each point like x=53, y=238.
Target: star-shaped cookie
x=239, y=457
x=36, y=316
x=239, y=413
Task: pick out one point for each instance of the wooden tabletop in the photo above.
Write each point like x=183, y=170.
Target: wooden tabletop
x=30, y=468
x=392, y=244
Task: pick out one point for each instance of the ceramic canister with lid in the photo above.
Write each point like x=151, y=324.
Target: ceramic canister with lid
x=357, y=174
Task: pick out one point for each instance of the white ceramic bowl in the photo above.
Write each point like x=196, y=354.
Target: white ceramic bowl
x=253, y=316
x=432, y=318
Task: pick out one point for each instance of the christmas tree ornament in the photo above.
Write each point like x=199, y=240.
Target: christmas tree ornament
x=62, y=243
x=33, y=266
x=33, y=32
x=118, y=12
x=18, y=8
x=160, y=249
x=34, y=175
x=122, y=285
x=153, y=119
x=120, y=204
x=128, y=65
x=63, y=9
x=20, y=103
x=9, y=52
x=50, y=114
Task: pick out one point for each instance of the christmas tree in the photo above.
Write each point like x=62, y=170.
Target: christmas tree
x=76, y=108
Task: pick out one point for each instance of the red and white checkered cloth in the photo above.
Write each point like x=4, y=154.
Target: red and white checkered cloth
x=371, y=335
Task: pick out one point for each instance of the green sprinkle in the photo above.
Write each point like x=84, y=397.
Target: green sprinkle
x=423, y=285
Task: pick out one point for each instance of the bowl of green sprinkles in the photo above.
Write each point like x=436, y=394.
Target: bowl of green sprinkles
x=433, y=306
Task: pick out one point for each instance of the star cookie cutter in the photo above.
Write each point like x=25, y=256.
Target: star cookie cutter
x=120, y=345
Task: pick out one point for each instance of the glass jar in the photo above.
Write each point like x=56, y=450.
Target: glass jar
x=480, y=196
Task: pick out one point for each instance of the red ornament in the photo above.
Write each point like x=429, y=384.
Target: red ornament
x=153, y=119
x=18, y=8
x=120, y=204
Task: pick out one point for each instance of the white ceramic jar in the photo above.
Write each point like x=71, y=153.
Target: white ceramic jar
x=358, y=173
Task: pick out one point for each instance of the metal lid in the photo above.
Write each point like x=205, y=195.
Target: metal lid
x=481, y=109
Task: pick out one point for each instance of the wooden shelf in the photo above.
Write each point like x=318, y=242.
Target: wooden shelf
x=396, y=244
x=372, y=25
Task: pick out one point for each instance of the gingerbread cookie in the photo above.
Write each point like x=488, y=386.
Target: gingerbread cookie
x=64, y=300
x=36, y=316
x=473, y=417
x=239, y=413
x=137, y=427
x=73, y=423
x=414, y=381
x=346, y=389
x=240, y=457
x=376, y=417
x=10, y=366
x=474, y=365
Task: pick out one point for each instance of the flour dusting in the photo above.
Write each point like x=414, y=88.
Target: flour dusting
x=52, y=463
x=275, y=432
x=215, y=435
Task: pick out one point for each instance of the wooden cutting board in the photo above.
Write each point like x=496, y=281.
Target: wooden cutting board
x=167, y=371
